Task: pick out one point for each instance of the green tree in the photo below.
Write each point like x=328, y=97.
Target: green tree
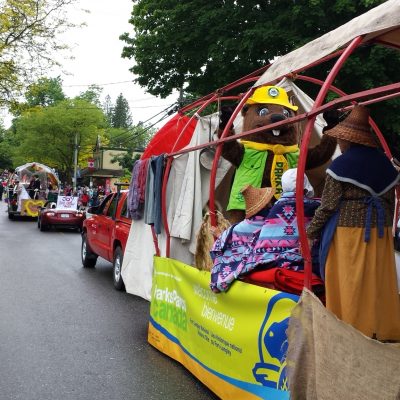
x=29, y=39
x=48, y=134
x=5, y=149
x=107, y=109
x=92, y=95
x=45, y=92
x=134, y=140
x=121, y=115
x=201, y=45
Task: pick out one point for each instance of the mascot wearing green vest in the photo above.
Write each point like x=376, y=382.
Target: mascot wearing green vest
x=261, y=158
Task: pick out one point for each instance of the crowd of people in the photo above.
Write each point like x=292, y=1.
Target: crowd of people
x=15, y=188
x=87, y=196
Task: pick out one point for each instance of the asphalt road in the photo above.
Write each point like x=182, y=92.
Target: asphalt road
x=65, y=333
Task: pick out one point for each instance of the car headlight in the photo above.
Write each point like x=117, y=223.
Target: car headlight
x=50, y=214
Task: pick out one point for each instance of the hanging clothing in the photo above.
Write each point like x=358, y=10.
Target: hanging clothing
x=142, y=179
x=137, y=189
x=158, y=180
x=133, y=194
x=152, y=206
x=149, y=195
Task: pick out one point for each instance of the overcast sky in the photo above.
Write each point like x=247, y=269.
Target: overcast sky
x=97, y=52
x=98, y=59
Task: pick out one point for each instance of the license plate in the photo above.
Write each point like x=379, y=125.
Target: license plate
x=64, y=215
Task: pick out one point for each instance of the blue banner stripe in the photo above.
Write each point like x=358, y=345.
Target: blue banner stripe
x=261, y=391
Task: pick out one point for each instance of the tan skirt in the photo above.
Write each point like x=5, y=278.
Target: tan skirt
x=361, y=282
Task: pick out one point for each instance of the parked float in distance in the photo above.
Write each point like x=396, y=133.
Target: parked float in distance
x=29, y=187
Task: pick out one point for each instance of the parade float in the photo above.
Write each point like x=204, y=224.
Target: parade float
x=245, y=343
x=29, y=187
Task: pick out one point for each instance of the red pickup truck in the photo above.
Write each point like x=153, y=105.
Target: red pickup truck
x=105, y=233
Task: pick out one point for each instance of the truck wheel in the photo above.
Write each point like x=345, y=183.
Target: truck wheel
x=117, y=268
x=88, y=257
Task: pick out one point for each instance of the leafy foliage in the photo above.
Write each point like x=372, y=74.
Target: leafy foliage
x=134, y=140
x=203, y=45
x=29, y=33
x=92, y=95
x=108, y=108
x=121, y=115
x=47, y=135
x=5, y=149
x=45, y=92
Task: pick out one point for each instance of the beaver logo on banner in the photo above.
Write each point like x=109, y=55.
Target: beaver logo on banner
x=272, y=346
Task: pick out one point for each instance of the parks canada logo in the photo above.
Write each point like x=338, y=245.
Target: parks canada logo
x=169, y=306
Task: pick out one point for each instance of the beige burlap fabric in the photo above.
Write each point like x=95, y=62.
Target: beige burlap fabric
x=328, y=359
x=205, y=240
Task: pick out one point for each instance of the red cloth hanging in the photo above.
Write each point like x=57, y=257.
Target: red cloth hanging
x=165, y=138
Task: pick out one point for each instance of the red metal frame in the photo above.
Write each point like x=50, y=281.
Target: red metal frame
x=364, y=97
x=218, y=143
x=303, y=158
x=341, y=93
x=312, y=113
x=218, y=155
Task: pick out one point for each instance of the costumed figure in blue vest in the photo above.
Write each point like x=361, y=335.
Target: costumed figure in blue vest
x=355, y=219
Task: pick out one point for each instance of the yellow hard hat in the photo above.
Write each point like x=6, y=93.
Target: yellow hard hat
x=271, y=95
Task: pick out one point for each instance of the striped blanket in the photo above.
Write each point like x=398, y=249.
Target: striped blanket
x=260, y=242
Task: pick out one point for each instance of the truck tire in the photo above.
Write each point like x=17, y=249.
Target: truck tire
x=117, y=267
x=88, y=257
x=10, y=215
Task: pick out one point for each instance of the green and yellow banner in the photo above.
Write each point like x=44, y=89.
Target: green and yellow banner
x=234, y=342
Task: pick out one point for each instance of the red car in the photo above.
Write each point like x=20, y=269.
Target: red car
x=105, y=233
x=50, y=216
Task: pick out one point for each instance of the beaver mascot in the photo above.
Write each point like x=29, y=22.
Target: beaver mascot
x=261, y=158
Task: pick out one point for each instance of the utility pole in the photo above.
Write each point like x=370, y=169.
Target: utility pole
x=75, y=161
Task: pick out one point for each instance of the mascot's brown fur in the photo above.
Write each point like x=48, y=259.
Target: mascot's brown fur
x=261, y=110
